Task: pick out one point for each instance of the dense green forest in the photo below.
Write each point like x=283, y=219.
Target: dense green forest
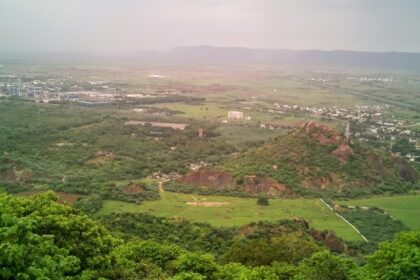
x=90, y=150
x=41, y=239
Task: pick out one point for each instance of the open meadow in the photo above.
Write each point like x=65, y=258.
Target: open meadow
x=405, y=208
x=197, y=111
x=233, y=211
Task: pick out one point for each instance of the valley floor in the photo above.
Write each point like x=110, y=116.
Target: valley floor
x=233, y=211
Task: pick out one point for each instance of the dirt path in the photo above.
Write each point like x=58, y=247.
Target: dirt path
x=161, y=190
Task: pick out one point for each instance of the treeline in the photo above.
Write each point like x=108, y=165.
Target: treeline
x=173, y=98
x=40, y=239
x=188, y=235
x=113, y=190
x=250, y=245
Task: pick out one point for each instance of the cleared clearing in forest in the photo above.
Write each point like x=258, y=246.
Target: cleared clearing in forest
x=234, y=211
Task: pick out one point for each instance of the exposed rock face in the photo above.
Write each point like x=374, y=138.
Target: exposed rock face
x=209, y=178
x=318, y=182
x=342, y=153
x=324, y=134
x=330, y=240
x=14, y=173
x=258, y=184
x=221, y=180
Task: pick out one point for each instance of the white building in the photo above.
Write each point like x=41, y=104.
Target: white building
x=235, y=115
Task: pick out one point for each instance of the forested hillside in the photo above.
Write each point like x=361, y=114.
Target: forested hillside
x=90, y=151
x=41, y=239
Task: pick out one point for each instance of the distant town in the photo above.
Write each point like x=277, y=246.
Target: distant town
x=364, y=122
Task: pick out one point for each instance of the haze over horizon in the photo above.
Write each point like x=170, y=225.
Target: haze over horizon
x=127, y=26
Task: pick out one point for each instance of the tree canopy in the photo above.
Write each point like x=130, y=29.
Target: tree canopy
x=41, y=239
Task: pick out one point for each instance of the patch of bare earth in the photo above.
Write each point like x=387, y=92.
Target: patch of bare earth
x=209, y=178
x=206, y=203
x=68, y=198
x=342, y=153
x=62, y=144
x=258, y=184
x=101, y=157
x=324, y=134
x=63, y=198
x=133, y=188
x=215, y=179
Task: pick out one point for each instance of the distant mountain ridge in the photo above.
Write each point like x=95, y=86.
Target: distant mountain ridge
x=405, y=61
x=334, y=58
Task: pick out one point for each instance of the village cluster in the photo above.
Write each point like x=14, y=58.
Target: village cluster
x=48, y=89
x=369, y=122
x=359, y=79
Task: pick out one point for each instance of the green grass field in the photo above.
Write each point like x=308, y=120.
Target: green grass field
x=405, y=208
x=237, y=211
x=219, y=111
x=201, y=111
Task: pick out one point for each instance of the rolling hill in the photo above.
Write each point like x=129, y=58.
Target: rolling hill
x=313, y=159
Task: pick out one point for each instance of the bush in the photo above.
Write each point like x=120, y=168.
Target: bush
x=325, y=266
x=202, y=264
x=263, y=201
x=89, y=204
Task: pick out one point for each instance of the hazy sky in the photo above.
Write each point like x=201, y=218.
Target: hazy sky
x=129, y=25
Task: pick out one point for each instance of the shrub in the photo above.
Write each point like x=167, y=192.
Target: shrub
x=263, y=201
